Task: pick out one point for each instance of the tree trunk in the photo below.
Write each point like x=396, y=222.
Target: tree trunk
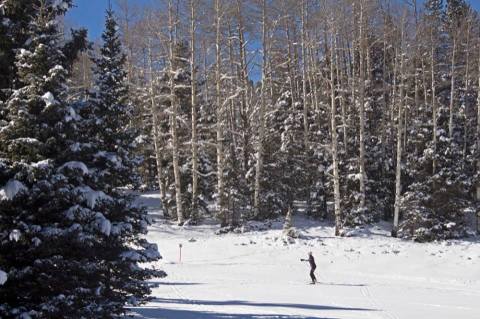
x=398, y=171
x=174, y=102
x=362, y=108
x=222, y=211
x=261, y=135
x=194, y=111
x=434, y=105
x=336, y=178
x=304, y=76
x=452, y=88
x=342, y=103
x=156, y=135
x=244, y=111
x=290, y=62
x=467, y=88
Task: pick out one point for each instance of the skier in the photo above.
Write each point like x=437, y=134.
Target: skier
x=313, y=266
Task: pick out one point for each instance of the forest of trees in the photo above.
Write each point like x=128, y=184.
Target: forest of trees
x=365, y=110
x=236, y=101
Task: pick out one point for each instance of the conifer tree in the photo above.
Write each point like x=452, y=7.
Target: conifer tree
x=109, y=113
x=69, y=243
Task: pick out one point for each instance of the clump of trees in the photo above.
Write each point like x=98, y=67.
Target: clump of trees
x=366, y=110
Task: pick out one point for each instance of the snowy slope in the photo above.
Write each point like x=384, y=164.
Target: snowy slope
x=257, y=275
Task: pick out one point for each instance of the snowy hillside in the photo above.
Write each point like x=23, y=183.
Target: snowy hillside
x=258, y=275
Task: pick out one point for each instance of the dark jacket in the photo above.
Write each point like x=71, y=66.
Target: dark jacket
x=311, y=260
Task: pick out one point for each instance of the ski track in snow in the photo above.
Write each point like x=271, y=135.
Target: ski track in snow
x=255, y=275
x=374, y=302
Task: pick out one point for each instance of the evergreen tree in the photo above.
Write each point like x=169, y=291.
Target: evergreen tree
x=14, y=19
x=109, y=114
x=107, y=150
x=69, y=245
x=434, y=202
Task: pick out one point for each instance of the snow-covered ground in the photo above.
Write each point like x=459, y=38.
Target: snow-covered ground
x=258, y=275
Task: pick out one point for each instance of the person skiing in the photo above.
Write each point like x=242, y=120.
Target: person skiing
x=313, y=266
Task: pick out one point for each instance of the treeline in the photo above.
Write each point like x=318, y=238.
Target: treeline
x=237, y=101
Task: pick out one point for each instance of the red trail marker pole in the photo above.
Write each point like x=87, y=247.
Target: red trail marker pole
x=180, y=255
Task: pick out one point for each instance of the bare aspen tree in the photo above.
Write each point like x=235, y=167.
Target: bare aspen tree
x=434, y=99
x=384, y=86
x=245, y=106
x=425, y=80
x=205, y=71
x=341, y=92
x=452, y=88
x=220, y=120
x=312, y=74
x=174, y=111
x=416, y=72
x=398, y=170
x=193, y=84
x=155, y=131
x=261, y=133
x=467, y=86
x=231, y=113
x=394, y=91
x=362, y=58
x=353, y=55
x=336, y=178
x=291, y=75
x=304, y=74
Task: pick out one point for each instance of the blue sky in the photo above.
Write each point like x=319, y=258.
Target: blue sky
x=91, y=14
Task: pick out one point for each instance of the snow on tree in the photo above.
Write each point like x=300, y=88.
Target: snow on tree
x=352, y=80
x=108, y=113
x=3, y=277
x=435, y=202
x=67, y=235
x=288, y=229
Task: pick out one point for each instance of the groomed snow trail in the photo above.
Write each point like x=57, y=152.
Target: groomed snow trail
x=257, y=275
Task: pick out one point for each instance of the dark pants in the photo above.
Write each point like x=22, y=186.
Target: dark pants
x=312, y=275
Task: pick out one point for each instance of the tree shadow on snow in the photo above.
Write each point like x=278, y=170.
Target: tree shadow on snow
x=257, y=304
x=155, y=313
x=166, y=283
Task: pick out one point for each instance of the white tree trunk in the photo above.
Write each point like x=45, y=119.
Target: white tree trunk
x=261, y=133
x=194, y=110
x=434, y=104
x=452, y=89
x=220, y=122
x=174, y=102
x=336, y=178
x=467, y=89
x=342, y=103
x=245, y=91
x=363, y=54
x=155, y=133
x=398, y=170
x=304, y=76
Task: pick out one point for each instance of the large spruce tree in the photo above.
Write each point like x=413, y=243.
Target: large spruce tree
x=69, y=240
